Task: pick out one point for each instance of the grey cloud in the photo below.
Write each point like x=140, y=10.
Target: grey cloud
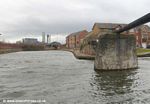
x=22, y=17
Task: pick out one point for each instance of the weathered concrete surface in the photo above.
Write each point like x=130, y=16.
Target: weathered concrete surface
x=116, y=52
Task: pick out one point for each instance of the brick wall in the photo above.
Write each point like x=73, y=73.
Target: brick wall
x=80, y=37
x=74, y=41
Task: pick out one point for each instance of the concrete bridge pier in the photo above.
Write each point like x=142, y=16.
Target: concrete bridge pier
x=116, y=52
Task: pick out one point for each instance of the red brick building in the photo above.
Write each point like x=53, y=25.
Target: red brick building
x=9, y=46
x=74, y=40
x=142, y=35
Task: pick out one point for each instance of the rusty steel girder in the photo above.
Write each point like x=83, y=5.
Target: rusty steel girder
x=138, y=22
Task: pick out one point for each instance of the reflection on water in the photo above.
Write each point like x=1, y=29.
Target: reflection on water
x=114, y=82
x=59, y=78
x=125, y=87
x=110, y=84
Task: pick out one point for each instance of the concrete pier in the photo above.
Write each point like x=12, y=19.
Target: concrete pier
x=116, y=52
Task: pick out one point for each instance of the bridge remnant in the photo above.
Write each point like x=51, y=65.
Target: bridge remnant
x=115, y=51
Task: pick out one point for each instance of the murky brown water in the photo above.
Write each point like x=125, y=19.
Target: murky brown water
x=59, y=78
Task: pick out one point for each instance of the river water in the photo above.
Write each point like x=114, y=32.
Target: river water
x=59, y=78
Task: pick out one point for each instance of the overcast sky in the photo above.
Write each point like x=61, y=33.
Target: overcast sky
x=29, y=18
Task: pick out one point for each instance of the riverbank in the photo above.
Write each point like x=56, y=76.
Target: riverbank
x=143, y=52
x=4, y=51
x=140, y=53
x=80, y=55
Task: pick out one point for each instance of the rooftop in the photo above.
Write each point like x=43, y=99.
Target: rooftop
x=77, y=33
x=108, y=25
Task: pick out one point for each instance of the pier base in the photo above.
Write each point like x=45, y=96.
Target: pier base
x=116, y=52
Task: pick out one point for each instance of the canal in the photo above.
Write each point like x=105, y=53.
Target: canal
x=59, y=78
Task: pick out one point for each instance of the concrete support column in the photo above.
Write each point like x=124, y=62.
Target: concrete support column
x=116, y=52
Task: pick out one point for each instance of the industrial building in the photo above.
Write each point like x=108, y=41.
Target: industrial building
x=30, y=41
x=74, y=40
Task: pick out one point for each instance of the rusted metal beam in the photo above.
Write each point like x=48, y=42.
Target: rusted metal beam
x=138, y=22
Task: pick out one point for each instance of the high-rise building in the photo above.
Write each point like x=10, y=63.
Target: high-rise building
x=30, y=41
x=43, y=37
x=47, y=38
